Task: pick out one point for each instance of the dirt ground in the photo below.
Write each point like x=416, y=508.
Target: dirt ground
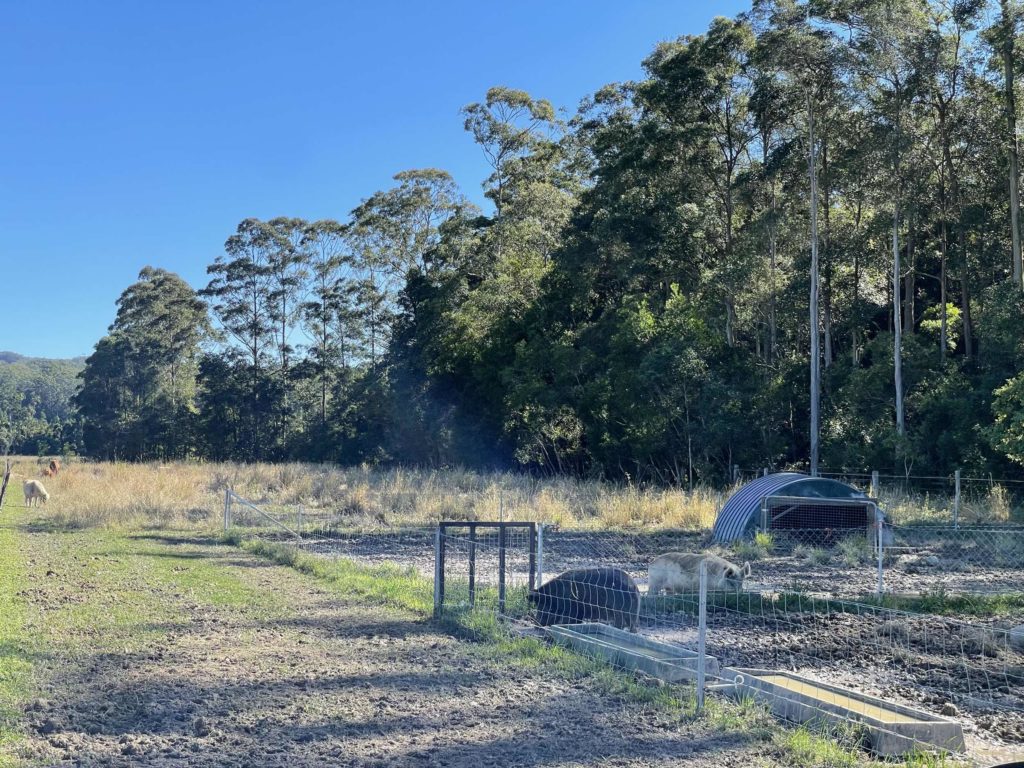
x=929, y=663
x=172, y=650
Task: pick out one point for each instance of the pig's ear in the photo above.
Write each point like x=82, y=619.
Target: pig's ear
x=746, y=569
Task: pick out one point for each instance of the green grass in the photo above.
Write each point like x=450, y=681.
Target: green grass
x=807, y=748
x=16, y=643
x=941, y=603
x=389, y=585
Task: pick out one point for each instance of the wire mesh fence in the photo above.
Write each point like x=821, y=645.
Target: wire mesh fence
x=785, y=635
x=952, y=499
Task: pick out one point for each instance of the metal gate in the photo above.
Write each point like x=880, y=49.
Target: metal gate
x=483, y=555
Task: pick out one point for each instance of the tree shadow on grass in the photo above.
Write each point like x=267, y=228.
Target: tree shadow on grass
x=52, y=526
x=177, y=539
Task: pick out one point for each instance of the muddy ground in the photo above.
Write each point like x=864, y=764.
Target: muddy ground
x=228, y=660
x=924, y=662
x=936, y=664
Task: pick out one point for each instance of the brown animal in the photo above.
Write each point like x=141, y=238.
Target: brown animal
x=47, y=472
x=54, y=466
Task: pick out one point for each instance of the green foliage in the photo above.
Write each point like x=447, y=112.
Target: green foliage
x=137, y=399
x=1008, y=430
x=36, y=411
x=634, y=302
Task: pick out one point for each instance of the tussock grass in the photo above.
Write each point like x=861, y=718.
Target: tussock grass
x=757, y=548
x=88, y=494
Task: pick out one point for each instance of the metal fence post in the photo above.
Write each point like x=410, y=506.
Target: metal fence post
x=227, y=509
x=438, y=573
x=879, y=539
x=956, y=500
x=298, y=526
x=531, y=531
x=874, y=484
x=501, y=569
x=702, y=631
x=472, y=565
x=540, y=554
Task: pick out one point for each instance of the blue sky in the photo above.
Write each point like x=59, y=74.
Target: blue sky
x=142, y=133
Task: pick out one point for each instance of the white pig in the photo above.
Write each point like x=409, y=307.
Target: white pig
x=676, y=572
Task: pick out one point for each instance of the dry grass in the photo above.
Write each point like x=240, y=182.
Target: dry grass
x=118, y=494
x=992, y=505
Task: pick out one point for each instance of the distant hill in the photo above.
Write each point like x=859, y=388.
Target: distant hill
x=35, y=401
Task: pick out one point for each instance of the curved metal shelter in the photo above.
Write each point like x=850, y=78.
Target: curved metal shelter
x=739, y=515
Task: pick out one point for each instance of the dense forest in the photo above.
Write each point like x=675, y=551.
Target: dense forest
x=797, y=237
x=36, y=414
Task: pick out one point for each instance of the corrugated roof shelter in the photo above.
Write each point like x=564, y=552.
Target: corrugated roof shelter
x=740, y=514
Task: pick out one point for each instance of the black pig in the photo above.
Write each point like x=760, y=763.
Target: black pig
x=607, y=595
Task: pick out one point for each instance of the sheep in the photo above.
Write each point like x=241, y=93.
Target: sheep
x=54, y=466
x=34, y=491
x=676, y=572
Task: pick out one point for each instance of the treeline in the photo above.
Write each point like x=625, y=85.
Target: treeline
x=36, y=415
x=636, y=299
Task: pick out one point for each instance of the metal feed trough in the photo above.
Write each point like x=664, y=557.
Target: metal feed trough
x=893, y=729
x=627, y=650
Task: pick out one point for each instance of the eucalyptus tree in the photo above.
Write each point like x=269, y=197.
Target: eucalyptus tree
x=327, y=312
x=508, y=126
x=886, y=40
x=702, y=86
x=139, y=386
x=950, y=59
x=287, y=266
x=242, y=297
x=803, y=54
x=391, y=232
x=1003, y=39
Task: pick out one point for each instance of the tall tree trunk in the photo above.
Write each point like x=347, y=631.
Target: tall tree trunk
x=813, y=324
x=908, y=280
x=1010, y=105
x=897, y=348
x=855, y=332
x=773, y=328
x=965, y=294
x=826, y=254
x=944, y=314
x=730, y=320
